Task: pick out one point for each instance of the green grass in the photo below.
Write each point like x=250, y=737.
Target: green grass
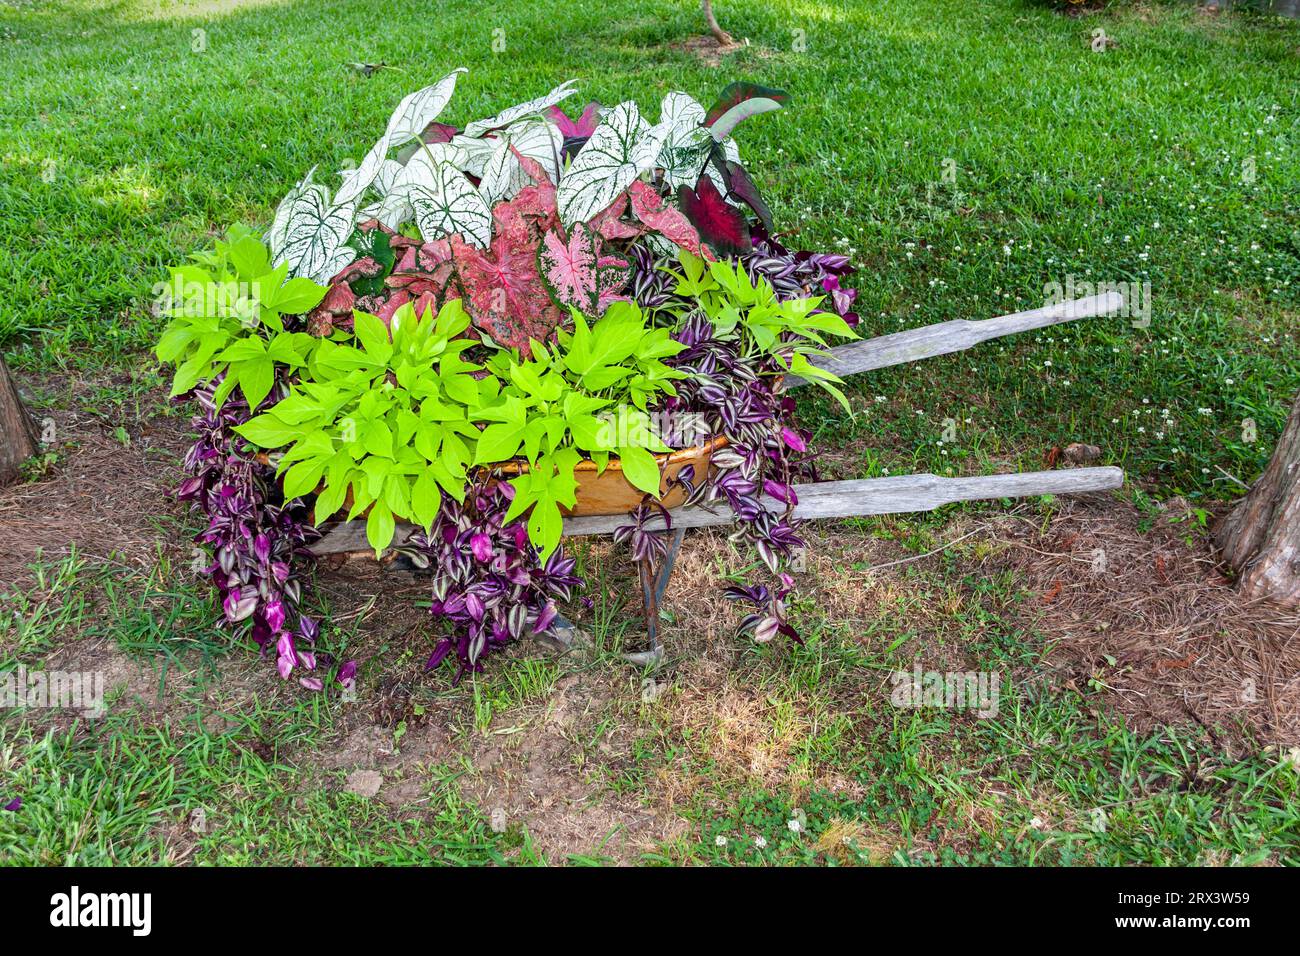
x=127, y=794
x=1171, y=158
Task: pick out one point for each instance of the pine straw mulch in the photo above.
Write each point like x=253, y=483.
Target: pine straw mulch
x=102, y=496
x=1186, y=646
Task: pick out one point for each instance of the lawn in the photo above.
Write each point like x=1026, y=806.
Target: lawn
x=966, y=155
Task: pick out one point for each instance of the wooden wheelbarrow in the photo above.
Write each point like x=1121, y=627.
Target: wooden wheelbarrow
x=840, y=499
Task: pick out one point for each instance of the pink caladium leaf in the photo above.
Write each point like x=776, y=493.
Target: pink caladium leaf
x=502, y=290
x=721, y=225
x=666, y=219
x=579, y=272
x=580, y=128
x=609, y=221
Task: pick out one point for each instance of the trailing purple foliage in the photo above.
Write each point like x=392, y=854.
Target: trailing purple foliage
x=489, y=582
x=760, y=465
x=647, y=543
x=256, y=540
x=800, y=274
x=650, y=286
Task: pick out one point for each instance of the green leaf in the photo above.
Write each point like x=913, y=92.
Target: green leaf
x=545, y=526
x=380, y=527
x=256, y=378
x=267, y=431
x=289, y=348
x=190, y=374
x=426, y=500
x=377, y=438
x=249, y=257
x=373, y=335
x=641, y=469
x=174, y=341
x=303, y=478
x=498, y=442
x=330, y=499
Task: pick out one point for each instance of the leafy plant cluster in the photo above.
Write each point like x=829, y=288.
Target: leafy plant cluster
x=227, y=309
x=391, y=419
x=472, y=315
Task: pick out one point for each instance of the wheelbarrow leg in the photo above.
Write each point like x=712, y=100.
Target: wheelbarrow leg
x=654, y=582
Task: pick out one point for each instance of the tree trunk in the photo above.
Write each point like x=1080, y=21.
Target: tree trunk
x=17, y=432
x=1260, y=538
x=719, y=34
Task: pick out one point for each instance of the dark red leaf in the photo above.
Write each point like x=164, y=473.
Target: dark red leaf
x=737, y=93
x=722, y=226
x=743, y=188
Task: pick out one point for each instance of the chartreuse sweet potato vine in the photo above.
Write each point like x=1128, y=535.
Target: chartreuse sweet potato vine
x=546, y=409
x=226, y=317
x=385, y=420
x=751, y=314
x=391, y=423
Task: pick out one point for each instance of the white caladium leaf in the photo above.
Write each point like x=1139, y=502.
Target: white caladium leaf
x=531, y=108
x=445, y=202
x=357, y=180
x=685, y=154
x=686, y=148
x=431, y=155
x=316, y=231
x=421, y=108
x=504, y=175
x=477, y=152
x=681, y=111
x=280, y=224
x=604, y=167
x=413, y=114
x=501, y=178
x=395, y=210
x=540, y=140
x=389, y=170
x=645, y=155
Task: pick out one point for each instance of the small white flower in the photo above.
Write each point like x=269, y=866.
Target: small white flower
x=721, y=841
x=760, y=842
x=794, y=825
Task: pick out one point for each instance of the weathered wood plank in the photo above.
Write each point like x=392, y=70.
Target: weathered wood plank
x=827, y=499
x=955, y=336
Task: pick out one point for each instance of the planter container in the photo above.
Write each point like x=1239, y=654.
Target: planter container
x=609, y=493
